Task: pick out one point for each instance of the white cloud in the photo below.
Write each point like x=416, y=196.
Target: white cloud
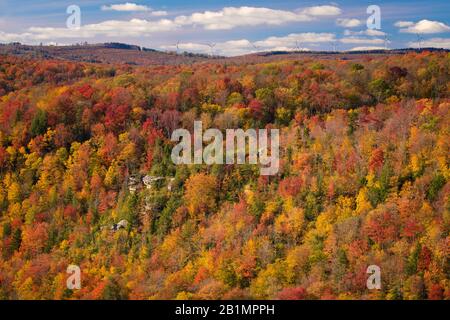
x=432, y=43
x=133, y=27
x=348, y=23
x=403, y=24
x=228, y=48
x=322, y=11
x=125, y=7
x=286, y=49
x=368, y=32
x=133, y=7
x=294, y=39
x=189, y=46
x=374, y=32
x=110, y=28
x=358, y=40
x=426, y=26
x=224, y=19
x=159, y=13
x=13, y=37
x=232, y=17
x=366, y=48
x=292, y=42
x=235, y=47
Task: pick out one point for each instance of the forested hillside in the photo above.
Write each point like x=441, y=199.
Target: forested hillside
x=364, y=180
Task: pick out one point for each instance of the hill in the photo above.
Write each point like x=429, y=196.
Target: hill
x=120, y=53
x=107, y=53
x=87, y=177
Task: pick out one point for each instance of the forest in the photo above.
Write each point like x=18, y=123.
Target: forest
x=86, y=179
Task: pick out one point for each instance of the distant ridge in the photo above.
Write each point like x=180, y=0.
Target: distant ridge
x=107, y=53
x=383, y=51
x=122, y=53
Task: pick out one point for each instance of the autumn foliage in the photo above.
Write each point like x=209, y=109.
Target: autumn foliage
x=364, y=179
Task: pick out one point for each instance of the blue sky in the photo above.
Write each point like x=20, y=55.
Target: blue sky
x=230, y=27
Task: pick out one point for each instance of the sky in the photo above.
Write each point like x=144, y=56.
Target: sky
x=232, y=27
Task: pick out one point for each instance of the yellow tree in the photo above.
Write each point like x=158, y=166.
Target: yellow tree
x=201, y=194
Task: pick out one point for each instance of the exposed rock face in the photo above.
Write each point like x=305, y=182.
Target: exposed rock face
x=122, y=224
